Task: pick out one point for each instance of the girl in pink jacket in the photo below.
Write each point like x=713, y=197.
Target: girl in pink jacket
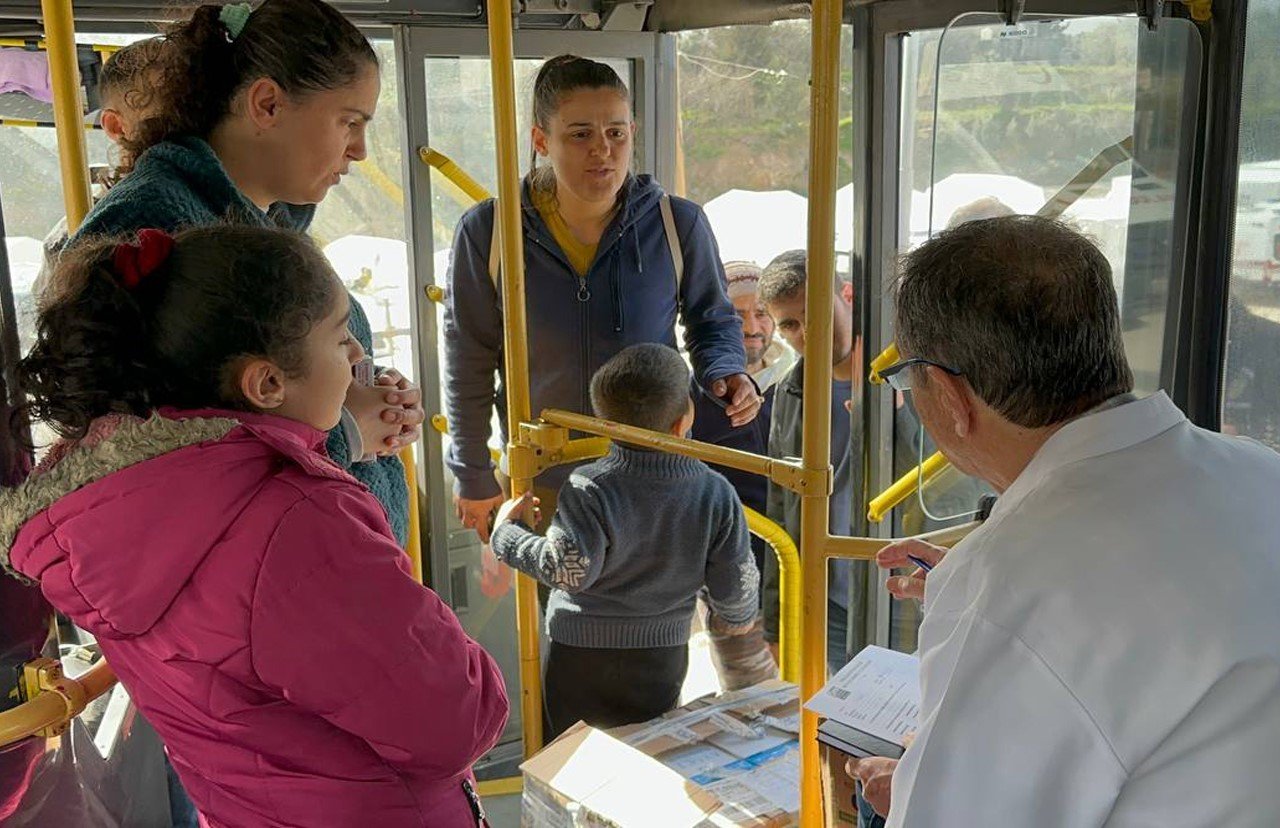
x=248, y=592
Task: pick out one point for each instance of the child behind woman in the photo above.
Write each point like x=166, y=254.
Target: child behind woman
x=248, y=592
x=635, y=536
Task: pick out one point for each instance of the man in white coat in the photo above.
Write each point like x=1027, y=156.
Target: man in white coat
x=1105, y=649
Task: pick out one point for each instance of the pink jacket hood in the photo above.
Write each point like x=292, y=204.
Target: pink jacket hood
x=251, y=597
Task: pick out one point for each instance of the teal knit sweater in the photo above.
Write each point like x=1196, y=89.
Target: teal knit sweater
x=181, y=183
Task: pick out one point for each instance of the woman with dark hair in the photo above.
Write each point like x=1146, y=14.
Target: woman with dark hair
x=610, y=261
x=252, y=110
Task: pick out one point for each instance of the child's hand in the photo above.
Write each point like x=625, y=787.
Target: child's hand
x=519, y=508
x=403, y=408
x=718, y=625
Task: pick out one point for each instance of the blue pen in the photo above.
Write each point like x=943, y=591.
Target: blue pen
x=920, y=562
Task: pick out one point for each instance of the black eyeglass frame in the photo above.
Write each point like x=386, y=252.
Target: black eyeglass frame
x=897, y=379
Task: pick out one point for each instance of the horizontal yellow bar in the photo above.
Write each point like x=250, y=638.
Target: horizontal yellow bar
x=20, y=43
x=25, y=124
x=887, y=357
x=951, y=535
x=706, y=452
x=905, y=487
x=848, y=548
x=587, y=448
x=510, y=786
x=49, y=709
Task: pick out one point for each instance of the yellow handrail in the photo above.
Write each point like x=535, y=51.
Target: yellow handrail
x=516, y=341
x=64, y=75
x=824, y=89
x=413, y=544
x=454, y=174
x=790, y=588
x=54, y=699
x=887, y=357
x=42, y=44
x=905, y=486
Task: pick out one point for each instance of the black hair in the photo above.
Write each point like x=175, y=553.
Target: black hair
x=1024, y=308
x=305, y=46
x=644, y=385
x=223, y=293
x=559, y=76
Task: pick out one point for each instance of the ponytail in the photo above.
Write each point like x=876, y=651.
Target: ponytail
x=90, y=357
x=305, y=46
x=131, y=328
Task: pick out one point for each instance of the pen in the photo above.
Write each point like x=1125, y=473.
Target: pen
x=920, y=562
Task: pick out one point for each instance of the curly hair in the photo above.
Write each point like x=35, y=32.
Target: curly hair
x=223, y=293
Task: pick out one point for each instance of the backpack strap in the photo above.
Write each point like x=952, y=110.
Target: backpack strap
x=673, y=242
x=495, y=250
x=668, y=226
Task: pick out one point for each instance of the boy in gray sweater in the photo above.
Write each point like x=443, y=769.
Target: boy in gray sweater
x=636, y=535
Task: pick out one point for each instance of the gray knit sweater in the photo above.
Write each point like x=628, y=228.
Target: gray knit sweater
x=635, y=536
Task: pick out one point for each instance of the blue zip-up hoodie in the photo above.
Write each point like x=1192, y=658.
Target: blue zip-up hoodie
x=628, y=296
x=181, y=183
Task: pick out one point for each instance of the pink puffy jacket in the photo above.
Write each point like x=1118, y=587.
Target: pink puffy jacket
x=251, y=598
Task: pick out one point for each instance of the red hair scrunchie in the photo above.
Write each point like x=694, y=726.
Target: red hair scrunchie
x=134, y=262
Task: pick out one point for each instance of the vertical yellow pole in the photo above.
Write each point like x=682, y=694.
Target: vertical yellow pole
x=816, y=447
x=413, y=547
x=68, y=116
x=516, y=378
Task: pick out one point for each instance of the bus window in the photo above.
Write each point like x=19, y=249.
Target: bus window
x=998, y=120
x=360, y=227
x=744, y=137
x=1250, y=394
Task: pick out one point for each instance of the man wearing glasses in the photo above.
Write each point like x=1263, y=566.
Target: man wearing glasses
x=1103, y=650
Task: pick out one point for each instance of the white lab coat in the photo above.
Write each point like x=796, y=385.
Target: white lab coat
x=1105, y=650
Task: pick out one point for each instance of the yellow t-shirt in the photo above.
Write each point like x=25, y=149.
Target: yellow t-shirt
x=580, y=255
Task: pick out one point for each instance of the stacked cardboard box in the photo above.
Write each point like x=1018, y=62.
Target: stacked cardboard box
x=727, y=761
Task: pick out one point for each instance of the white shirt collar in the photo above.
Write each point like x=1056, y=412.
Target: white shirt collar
x=1105, y=430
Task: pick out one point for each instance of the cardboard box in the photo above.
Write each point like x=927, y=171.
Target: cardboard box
x=727, y=761
x=838, y=808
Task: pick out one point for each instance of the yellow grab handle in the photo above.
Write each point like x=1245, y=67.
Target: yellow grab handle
x=905, y=487
x=887, y=357
x=789, y=591
x=455, y=174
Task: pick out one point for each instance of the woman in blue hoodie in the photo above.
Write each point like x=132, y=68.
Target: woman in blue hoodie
x=258, y=110
x=600, y=274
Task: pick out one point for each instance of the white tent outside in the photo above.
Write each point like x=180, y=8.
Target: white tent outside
x=26, y=255
x=756, y=226
x=376, y=271
x=961, y=189
x=1259, y=182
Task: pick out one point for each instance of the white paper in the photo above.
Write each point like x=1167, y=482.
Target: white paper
x=878, y=693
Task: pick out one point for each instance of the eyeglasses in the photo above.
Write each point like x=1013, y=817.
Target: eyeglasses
x=899, y=377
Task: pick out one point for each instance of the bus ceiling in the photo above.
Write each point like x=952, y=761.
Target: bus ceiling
x=612, y=15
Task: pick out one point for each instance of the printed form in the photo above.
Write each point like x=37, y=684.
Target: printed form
x=878, y=693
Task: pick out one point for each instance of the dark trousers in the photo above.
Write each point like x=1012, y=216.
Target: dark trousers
x=609, y=687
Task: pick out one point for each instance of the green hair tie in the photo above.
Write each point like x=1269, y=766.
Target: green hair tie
x=234, y=16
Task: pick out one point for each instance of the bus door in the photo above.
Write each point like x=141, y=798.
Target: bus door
x=1091, y=119
x=446, y=100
